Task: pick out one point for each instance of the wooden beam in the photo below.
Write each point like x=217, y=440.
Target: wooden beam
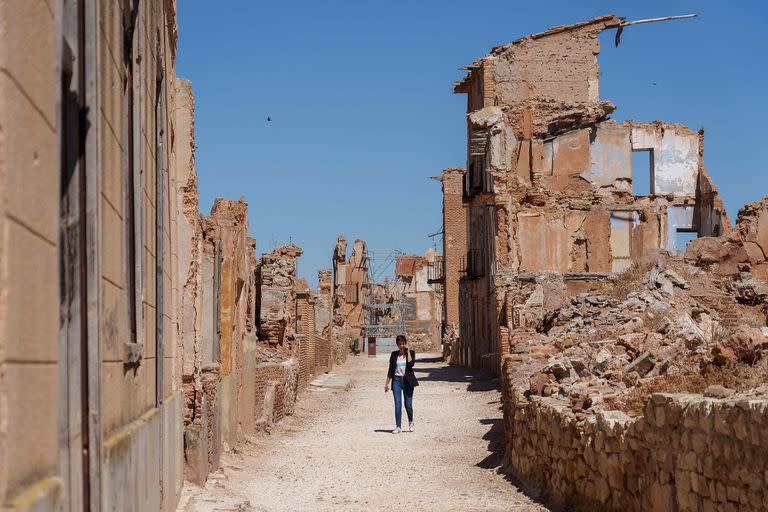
x=653, y=20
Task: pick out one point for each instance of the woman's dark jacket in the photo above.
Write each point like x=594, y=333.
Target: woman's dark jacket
x=408, y=367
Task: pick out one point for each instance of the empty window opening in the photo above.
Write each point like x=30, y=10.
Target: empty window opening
x=642, y=172
x=682, y=237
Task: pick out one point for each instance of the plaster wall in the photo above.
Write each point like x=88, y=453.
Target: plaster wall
x=29, y=309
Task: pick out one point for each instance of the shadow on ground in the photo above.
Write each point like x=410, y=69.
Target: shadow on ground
x=476, y=380
x=495, y=460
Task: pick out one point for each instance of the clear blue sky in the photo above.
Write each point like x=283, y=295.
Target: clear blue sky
x=359, y=93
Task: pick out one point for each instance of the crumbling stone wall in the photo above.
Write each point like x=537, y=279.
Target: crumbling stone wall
x=744, y=249
x=200, y=373
x=422, y=300
x=228, y=250
x=278, y=297
x=687, y=452
x=324, y=302
x=349, y=278
x=550, y=184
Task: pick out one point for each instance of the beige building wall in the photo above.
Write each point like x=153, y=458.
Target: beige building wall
x=140, y=406
x=80, y=375
x=29, y=181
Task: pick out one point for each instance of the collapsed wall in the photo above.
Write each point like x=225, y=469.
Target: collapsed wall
x=743, y=249
x=278, y=325
x=199, y=369
x=589, y=416
x=574, y=281
x=278, y=297
x=550, y=182
x=350, y=276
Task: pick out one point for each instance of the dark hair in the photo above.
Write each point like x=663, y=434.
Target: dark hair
x=400, y=337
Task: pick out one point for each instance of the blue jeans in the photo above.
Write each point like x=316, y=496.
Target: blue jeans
x=399, y=389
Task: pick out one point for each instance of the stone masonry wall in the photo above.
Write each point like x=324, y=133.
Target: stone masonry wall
x=324, y=302
x=686, y=453
x=278, y=296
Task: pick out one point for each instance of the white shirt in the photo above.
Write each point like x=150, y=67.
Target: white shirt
x=400, y=366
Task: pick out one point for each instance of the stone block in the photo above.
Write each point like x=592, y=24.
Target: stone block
x=112, y=245
x=28, y=53
x=32, y=394
x=31, y=318
x=29, y=154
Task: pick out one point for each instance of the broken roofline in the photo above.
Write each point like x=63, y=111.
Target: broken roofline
x=608, y=21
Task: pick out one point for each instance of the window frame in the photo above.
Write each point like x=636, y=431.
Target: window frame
x=133, y=347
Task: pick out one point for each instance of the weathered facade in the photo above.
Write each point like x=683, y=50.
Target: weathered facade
x=454, y=254
x=129, y=348
x=350, y=277
x=550, y=182
x=314, y=350
x=575, y=289
x=90, y=396
x=421, y=298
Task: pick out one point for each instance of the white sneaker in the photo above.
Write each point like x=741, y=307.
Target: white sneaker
x=397, y=430
x=411, y=427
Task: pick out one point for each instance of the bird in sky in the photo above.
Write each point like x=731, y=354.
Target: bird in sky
x=269, y=119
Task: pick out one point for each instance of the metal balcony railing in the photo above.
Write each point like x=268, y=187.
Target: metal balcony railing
x=436, y=270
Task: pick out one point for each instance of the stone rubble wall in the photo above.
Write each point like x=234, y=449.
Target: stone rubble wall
x=686, y=453
x=278, y=296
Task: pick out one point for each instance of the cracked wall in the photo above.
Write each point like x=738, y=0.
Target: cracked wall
x=573, y=280
x=422, y=300
x=550, y=183
x=349, y=278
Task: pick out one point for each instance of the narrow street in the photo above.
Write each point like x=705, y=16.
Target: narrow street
x=337, y=452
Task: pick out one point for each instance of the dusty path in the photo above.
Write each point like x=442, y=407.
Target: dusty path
x=337, y=452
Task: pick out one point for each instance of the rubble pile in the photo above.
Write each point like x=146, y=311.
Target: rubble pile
x=594, y=348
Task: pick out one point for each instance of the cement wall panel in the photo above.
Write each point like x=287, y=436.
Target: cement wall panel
x=30, y=321
x=131, y=465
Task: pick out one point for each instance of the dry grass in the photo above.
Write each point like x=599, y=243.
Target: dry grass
x=627, y=281
x=738, y=377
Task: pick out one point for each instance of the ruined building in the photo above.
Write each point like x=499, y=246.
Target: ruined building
x=315, y=351
x=421, y=298
x=550, y=182
x=350, y=277
x=454, y=254
x=633, y=365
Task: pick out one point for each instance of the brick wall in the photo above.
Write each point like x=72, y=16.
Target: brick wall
x=454, y=240
x=275, y=390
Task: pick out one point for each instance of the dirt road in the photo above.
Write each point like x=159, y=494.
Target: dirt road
x=337, y=452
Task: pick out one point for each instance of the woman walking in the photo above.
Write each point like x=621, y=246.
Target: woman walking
x=400, y=375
